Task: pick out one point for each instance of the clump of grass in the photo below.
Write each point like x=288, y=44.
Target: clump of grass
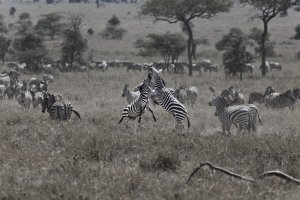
x=162, y=161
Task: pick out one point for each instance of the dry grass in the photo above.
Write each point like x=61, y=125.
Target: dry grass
x=98, y=159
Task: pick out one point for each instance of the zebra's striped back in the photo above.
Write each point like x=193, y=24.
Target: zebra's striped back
x=228, y=115
x=58, y=110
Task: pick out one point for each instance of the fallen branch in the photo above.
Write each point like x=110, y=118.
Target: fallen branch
x=245, y=178
x=280, y=175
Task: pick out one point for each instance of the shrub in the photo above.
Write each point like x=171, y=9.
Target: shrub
x=297, y=30
x=162, y=161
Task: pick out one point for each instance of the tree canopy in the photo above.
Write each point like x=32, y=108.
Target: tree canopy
x=185, y=11
x=266, y=10
x=49, y=25
x=169, y=45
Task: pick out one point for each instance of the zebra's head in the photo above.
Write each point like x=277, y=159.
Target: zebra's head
x=269, y=90
x=218, y=101
x=296, y=92
x=48, y=101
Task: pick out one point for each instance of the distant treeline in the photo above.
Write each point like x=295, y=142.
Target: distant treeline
x=90, y=1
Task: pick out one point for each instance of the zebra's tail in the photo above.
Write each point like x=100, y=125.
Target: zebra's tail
x=76, y=113
x=250, y=123
x=259, y=119
x=188, y=122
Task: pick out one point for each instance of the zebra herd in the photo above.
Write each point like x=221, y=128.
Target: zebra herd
x=35, y=92
x=231, y=107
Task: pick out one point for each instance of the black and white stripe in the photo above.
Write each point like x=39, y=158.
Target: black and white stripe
x=137, y=107
x=58, y=110
x=166, y=99
x=281, y=100
x=240, y=116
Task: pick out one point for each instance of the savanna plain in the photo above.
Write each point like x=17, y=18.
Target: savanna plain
x=96, y=158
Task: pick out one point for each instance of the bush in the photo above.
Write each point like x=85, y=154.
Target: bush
x=90, y=31
x=162, y=161
x=297, y=30
x=298, y=55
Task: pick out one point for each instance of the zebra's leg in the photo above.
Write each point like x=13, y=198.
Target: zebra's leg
x=121, y=119
x=152, y=113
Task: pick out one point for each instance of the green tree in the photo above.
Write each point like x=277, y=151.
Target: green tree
x=113, y=29
x=266, y=10
x=73, y=45
x=3, y=28
x=49, y=25
x=169, y=46
x=255, y=35
x=25, y=24
x=297, y=30
x=12, y=11
x=173, y=11
x=4, y=46
x=236, y=55
x=30, y=49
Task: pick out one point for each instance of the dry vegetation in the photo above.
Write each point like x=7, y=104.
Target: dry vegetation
x=97, y=159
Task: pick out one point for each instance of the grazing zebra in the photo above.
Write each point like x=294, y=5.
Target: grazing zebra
x=192, y=94
x=181, y=94
x=166, y=99
x=58, y=110
x=275, y=66
x=137, y=107
x=259, y=97
x=25, y=99
x=37, y=99
x=240, y=116
x=130, y=96
x=281, y=100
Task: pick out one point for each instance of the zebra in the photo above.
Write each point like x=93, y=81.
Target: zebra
x=58, y=110
x=240, y=116
x=281, y=100
x=137, y=107
x=166, y=99
x=192, y=94
x=25, y=99
x=130, y=96
x=259, y=97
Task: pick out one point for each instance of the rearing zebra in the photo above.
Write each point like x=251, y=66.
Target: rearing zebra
x=58, y=110
x=166, y=99
x=240, y=116
x=137, y=107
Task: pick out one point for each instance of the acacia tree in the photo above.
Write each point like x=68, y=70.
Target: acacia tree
x=49, y=25
x=169, y=46
x=184, y=11
x=73, y=45
x=236, y=55
x=266, y=10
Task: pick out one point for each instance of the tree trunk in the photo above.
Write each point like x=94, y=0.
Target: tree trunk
x=98, y=3
x=189, y=46
x=263, y=49
x=241, y=76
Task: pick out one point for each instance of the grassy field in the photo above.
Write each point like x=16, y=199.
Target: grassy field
x=96, y=158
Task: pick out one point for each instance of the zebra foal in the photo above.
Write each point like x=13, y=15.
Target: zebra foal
x=58, y=109
x=137, y=107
